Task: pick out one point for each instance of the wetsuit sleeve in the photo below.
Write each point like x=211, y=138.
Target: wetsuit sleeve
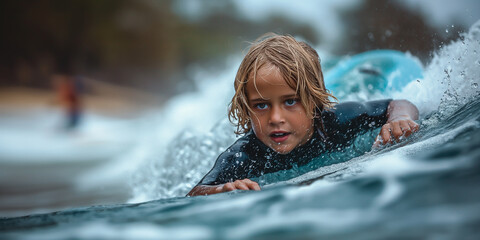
x=347, y=120
x=229, y=165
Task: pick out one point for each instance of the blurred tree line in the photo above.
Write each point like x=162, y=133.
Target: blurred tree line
x=138, y=43
x=144, y=44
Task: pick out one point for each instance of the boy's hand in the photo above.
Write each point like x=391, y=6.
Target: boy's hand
x=245, y=184
x=395, y=130
x=400, y=124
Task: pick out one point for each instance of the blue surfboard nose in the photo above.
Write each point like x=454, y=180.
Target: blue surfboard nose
x=373, y=71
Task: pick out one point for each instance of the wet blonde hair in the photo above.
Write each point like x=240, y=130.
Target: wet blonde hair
x=299, y=65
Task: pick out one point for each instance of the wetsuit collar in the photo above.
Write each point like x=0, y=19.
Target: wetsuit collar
x=301, y=155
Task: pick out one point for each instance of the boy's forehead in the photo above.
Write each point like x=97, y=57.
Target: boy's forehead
x=268, y=74
x=267, y=81
x=262, y=83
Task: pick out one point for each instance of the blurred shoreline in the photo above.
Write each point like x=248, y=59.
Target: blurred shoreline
x=102, y=98
x=31, y=183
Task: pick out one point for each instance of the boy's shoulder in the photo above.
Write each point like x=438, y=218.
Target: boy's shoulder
x=348, y=119
x=237, y=162
x=241, y=148
x=348, y=111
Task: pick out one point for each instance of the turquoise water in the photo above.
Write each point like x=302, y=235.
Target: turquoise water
x=423, y=187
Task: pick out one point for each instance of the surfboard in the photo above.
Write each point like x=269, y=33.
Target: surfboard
x=377, y=71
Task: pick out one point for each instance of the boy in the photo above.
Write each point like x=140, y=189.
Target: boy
x=283, y=108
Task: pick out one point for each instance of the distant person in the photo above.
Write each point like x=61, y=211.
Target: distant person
x=69, y=95
x=283, y=109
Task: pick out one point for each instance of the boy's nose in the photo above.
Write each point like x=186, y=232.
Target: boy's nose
x=276, y=115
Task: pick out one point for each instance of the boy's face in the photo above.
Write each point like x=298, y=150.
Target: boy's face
x=278, y=118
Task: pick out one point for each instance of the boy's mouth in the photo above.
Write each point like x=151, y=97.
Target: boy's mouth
x=279, y=136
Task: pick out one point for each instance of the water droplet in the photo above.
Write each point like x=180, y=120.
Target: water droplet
x=475, y=85
x=370, y=36
x=388, y=33
x=446, y=30
x=268, y=165
x=453, y=26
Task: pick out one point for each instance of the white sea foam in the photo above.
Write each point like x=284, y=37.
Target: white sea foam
x=187, y=135
x=451, y=79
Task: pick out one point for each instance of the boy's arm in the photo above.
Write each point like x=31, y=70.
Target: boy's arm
x=245, y=184
x=400, y=123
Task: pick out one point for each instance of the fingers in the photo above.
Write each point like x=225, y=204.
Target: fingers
x=252, y=185
x=245, y=184
x=378, y=141
x=385, y=134
x=227, y=187
x=414, y=126
x=239, y=184
x=395, y=131
x=406, y=129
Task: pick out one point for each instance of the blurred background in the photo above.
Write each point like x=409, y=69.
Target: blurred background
x=148, y=45
x=75, y=76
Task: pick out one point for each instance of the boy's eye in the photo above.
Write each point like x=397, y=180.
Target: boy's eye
x=290, y=102
x=261, y=106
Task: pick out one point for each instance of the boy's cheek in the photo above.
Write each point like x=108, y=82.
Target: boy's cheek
x=256, y=130
x=256, y=125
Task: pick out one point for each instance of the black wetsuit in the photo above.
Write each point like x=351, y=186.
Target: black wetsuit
x=248, y=157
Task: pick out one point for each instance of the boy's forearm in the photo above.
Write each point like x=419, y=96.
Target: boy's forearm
x=203, y=190
x=401, y=108
x=243, y=184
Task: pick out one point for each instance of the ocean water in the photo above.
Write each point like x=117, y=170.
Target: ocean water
x=424, y=187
